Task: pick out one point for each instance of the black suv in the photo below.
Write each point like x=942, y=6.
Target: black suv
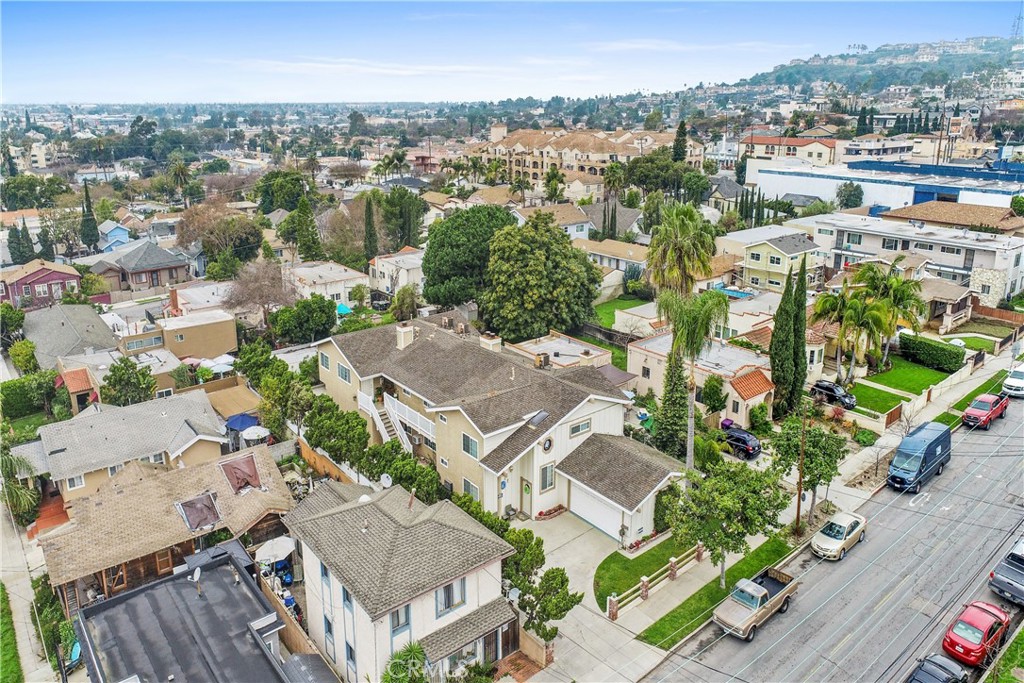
x=743, y=444
x=833, y=393
x=937, y=669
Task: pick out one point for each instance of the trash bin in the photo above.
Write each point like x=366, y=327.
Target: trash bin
x=726, y=423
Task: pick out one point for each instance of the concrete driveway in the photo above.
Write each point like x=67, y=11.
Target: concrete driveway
x=589, y=647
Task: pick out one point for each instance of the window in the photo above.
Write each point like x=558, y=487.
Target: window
x=430, y=443
x=775, y=283
x=400, y=619
x=350, y=655
x=3, y=288
x=179, y=337
x=1016, y=260
x=114, y=469
x=26, y=291
x=76, y=482
x=471, y=489
x=470, y=446
x=755, y=281
x=325, y=573
x=890, y=243
x=951, y=250
x=164, y=562
x=140, y=278
x=985, y=289
x=790, y=151
x=774, y=261
x=336, y=296
x=854, y=238
x=755, y=256
x=444, y=461
x=442, y=419
x=451, y=596
x=163, y=393
x=157, y=459
x=810, y=155
x=329, y=637
x=406, y=392
x=56, y=289
x=325, y=362
x=579, y=428
x=465, y=655
x=547, y=477
x=172, y=273
x=811, y=362
x=41, y=290
x=71, y=285
x=924, y=245
x=346, y=597
x=645, y=372
x=736, y=407
x=344, y=374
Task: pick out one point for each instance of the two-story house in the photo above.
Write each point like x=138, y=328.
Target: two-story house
x=203, y=334
x=391, y=272
x=112, y=236
x=568, y=217
x=328, y=279
x=37, y=283
x=816, y=151
x=497, y=425
x=614, y=254
x=768, y=254
x=383, y=569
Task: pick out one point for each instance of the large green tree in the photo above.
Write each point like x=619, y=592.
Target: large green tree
x=849, y=195
x=681, y=249
x=369, y=230
x=537, y=281
x=89, y=232
x=19, y=496
x=308, y=320
x=11, y=321
x=403, y=217
x=672, y=413
x=823, y=451
x=127, y=383
x=458, y=251
x=342, y=434
x=780, y=351
x=899, y=296
x=307, y=236
x=16, y=245
x=280, y=190
x=799, y=338
x=679, y=144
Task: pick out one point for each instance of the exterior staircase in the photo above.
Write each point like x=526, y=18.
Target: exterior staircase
x=388, y=424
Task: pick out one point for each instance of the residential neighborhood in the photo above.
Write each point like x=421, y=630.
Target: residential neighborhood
x=641, y=354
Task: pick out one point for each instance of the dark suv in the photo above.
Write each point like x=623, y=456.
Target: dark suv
x=833, y=393
x=937, y=669
x=743, y=444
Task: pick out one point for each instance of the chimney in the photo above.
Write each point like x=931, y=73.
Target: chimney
x=491, y=342
x=412, y=496
x=406, y=334
x=498, y=132
x=586, y=358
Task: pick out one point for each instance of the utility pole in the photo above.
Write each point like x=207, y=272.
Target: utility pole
x=797, y=525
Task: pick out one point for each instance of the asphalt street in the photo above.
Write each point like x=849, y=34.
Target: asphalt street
x=872, y=615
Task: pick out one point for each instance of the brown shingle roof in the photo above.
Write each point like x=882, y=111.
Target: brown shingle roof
x=752, y=384
x=15, y=274
x=613, y=248
x=722, y=264
x=959, y=215
x=762, y=336
x=565, y=214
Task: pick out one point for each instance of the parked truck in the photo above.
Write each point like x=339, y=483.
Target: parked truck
x=1007, y=579
x=985, y=409
x=753, y=601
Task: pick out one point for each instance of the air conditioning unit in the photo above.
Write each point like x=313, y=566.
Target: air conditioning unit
x=446, y=323
x=461, y=328
x=416, y=440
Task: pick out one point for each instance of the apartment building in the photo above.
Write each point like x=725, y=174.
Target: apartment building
x=814, y=151
x=498, y=426
x=328, y=279
x=768, y=253
x=988, y=264
x=204, y=334
x=391, y=272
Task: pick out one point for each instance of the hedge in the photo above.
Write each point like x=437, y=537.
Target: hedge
x=931, y=354
x=16, y=399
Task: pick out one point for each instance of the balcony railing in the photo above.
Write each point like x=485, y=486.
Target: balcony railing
x=406, y=414
x=367, y=405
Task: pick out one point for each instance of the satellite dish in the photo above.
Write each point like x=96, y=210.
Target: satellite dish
x=385, y=480
x=364, y=498
x=196, y=574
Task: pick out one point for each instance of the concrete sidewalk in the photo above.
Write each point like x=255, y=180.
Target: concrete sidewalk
x=21, y=562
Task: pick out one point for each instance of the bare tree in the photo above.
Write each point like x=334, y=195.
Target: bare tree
x=200, y=220
x=260, y=285
x=346, y=171
x=226, y=185
x=64, y=226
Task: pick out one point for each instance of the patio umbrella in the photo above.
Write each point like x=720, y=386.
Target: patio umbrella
x=276, y=549
x=343, y=309
x=241, y=422
x=221, y=368
x=255, y=433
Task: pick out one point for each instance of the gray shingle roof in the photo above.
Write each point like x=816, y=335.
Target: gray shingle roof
x=149, y=257
x=727, y=187
x=621, y=469
x=392, y=548
x=624, y=216
x=793, y=244
x=103, y=436
x=65, y=330
x=800, y=201
x=481, y=621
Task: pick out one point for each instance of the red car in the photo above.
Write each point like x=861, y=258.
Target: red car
x=977, y=634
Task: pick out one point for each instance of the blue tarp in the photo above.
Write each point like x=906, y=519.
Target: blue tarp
x=343, y=309
x=241, y=422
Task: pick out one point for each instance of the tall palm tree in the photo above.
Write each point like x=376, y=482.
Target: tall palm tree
x=614, y=180
x=18, y=496
x=681, y=249
x=180, y=175
x=693, y=320
x=312, y=164
x=553, y=180
x=398, y=161
x=520, y=184
x=901, y=297
x=830, y=307
x=495, y=172
x=863, y=324
x=477, y=168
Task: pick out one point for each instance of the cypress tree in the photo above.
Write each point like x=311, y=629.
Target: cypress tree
x=871, y=122
x=369, y=232
x=604, y=220
x=799, y=336
x=28, y=121
x=90, y=233
x=862, y=122
x=45, y=245
x=307, y=238
x=613, y=225
x=670, y=437
x=26, y=241
x=956, y=109
x=16, y=246
x=927, y=126
x=780, y=351
x=679, y=144
x=912, y=126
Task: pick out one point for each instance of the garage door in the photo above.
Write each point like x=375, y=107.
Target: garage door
x=594, y=510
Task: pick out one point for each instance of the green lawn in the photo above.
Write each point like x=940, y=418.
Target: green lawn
x=25, y=428
x=990, y=386
x=618, y=573
x=873, y=399
x=606, y=312
x=948, y=419
x=985, y=327
x=907, y=376
x=695, y=610
x=976, y=343
x=10, y=664
x=618, y=353
x=1013, y=658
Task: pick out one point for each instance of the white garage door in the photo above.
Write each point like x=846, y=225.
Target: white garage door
x=596, y=511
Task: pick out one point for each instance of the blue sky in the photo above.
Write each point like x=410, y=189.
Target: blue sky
x=387, y=51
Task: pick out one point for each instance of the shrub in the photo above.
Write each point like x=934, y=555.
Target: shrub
x=17, y=399
x=838, y=413
x=865, y=437
x=47, y=615
x=747, y=344
x=931, y=354
x=664, y=502
x=759, y=423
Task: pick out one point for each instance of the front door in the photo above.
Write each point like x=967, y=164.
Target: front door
x=509, y=638
x=526, y=497
x=154, y=278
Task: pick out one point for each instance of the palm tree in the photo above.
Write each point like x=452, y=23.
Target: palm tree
x=863, y=324
x=681, y=249
x=830, y=307
x=901, y=297
x=18, y=496
x=520, y=184
x=553, y=180
x=495, y=172
x=180, y=175
x=693, y=320
x=477, y=168
x=614, y=179
x=312, y=164
x=398, y=161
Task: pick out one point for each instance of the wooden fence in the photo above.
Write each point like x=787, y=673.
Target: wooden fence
x=292, y=635
x=611, y=336
x=616, y=603
x=322, y=465
x=999, y=314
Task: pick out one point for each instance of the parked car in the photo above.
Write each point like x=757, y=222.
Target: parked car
x=936, y=668
x=1013, y=385
x=753, y=601
x=922, y=453
x=833, y=393
x=743, y=444
x=977, y=633
x=985, y=409
x=839, y=535
x=1007, y=579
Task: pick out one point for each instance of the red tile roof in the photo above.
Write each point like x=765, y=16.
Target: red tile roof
x=77, y=380
x=752, y=384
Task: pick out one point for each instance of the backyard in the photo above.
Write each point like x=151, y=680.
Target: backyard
x=992, y=329
x=618, y=353
x=618, y=573
x=25, y=428
x=975, y=343
x=696, y=609
x=907, y=376
x=606, y=312
x=875, y=400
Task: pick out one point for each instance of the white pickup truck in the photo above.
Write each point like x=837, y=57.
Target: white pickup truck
x=753, y=601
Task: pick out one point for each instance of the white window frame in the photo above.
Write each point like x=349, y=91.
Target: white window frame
x=3, y=289
x=581, y=427
x=774, y=283
x=26, y=290
x=924, y=245
x=754, y=280
x=774, y=260
x=444, y=462
x=71, y=285
x=114, y=469
x=442, y=419
x=854, y=238
x=549, y=467
x=755, y=256
x=345, y=377
x=76, y=482
x=474, y=446
x=890, y=243
x=179, y=337
x=458, y=599
x=325, y=361
x=955, y=251
x=42, y=290
x=826, y=231
x=470, y=489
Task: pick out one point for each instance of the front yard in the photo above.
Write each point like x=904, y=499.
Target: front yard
x=875, y=400
x=907, y=376
x=975, y=343
x=991, y=386
x=606, y=312
x=695, y=610
x=985, y=327
x=618, y=573
x=10, y=663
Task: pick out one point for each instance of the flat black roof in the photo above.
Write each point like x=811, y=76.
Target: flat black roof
x=165, y=628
